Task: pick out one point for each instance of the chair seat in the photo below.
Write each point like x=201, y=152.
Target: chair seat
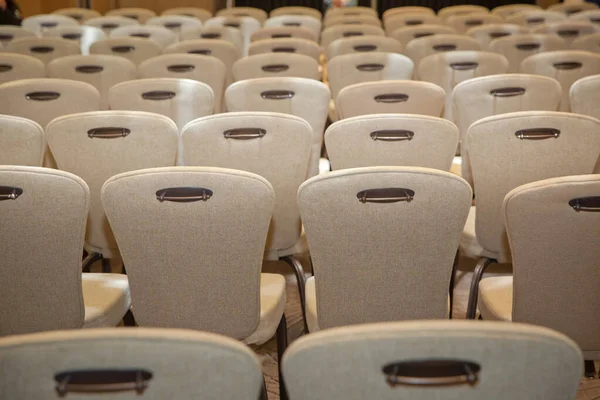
x=106, y=297
x=496, y=298
x=272, y=305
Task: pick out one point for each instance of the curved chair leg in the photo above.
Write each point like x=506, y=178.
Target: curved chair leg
x=590, y=369
x=282, y=343
x=89, y=260
x=480, y=268
x=106, y=265
x=129, y=319
x=301, y=278
x=452, y=280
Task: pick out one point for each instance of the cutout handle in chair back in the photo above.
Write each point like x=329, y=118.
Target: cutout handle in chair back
x=495, y=35
x=232, y=24
x=108, y=133
x=183, y=194
x=567, y=32
x=132, y=16
x=432, y=373
x=292, y=24
x=89, y=69
x=277, y=94
x=6, y=36
x=244, y=133
x=283, y=50
x=537, y=133
x=392, y=135
x=281, y=35
x=594, y=20
x=473, y=22
x=158, y=95
x=569, y=65
x=172, y=25
x=464, y=66
x=42, y=96
x=536, y=20
x=102, y=381
x=588, y=204
x=144, y=35
x=350, y=22
x=528, y=46
x=48, y=24
x=5, y=68
x=78, y=17
x=507, y=92
x=210, y=35
x=275, y=67
x=109, y=26
x=444, y=47
x=422, y=34
x=205, y=52
x=41, y=49
x=570, y=11
x=365, y=47
x=413, y=22
x=180, y=68
x=10, y=192
x=391, y=98
x=369, y=67
x=385, y=195
x=122, y=49
x=346, y=13
x=241, y=15
x=72, y=36
x=352, y=33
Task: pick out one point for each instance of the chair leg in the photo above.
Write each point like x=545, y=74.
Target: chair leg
x=89, y=260
x=590, y=369
x=129, y=319
x=452, y=281
x=282, y=343
x=301, y=278
x=263, y=392
x=106, y=265
x=480, y=268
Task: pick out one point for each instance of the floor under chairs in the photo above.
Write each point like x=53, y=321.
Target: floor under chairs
x=137, y=50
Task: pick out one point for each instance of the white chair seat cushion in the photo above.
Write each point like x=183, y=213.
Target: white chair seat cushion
x=311, y=305
x=496, y=298
x=272, y=306
x=106, y=297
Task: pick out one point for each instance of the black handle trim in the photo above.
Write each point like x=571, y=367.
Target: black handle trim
x=184, y=194
x=508, y=92
x=10, y=193
x=140, y=35
x=132, y=16
x=108, y=133
x=587, y=204
x=283, y=50
x=180, y=68
x=567, y=32
x=158, y=95
x=172, y=25
x=78, y=17
x=392, y=135
x=122, y=49
x=292, y=24
x=444, y=47
x=365, y=47
x=385, y=195
x=204, y=52
x=210, y=35
x=528, y=46
x=71, y=36
x=569, y=65
x=536, y=20
x=49, y=24
x=244, y=133
x=89, y=69
x=370, y=67
x=537, y=133
x=5, y=68
x=473, y=22
x=495, y=35
x=277, y=94
x=432, y=373
x=42, y=96
x=595, y=19
x=275, y=67
x=464, y=66
x=352, y=33
x=41, y=49
x=413, y=22
x=6, y=36
x=232, y=24
x=391, y=98
x=109, y=26
x=423, y=34
x=102, y=381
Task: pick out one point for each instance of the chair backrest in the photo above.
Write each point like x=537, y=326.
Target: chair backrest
x=21, y=141
x=462, y=23
x=10, y=32
x=392, y=12
x=390, y=97
x=294, y=10
x=571, y=8
x=518, y=47
x=486, y=33
x=450, y=68
x=410, y=19
x=349, y=69
x=182, y=100
x=100, y=70
x=592, y=16
x=565, y=66
x=276, y=65
x=304, y=98
x=283, y=45
x=381, y=233
x=139, y=14
x=44, y=49
x=42, y=284
x=42, y=100
x=565, y=211
x=386, y=358
x=136, y=50
x=506, y=152
x=396, y=140
x=175, y=23
x=98, y=145
x=483, y=97
x=304, y=21
x=79, y=14
x=351, y=20
x=195, y=12
x=252, y=12
x=231, y=35
x=422, y=47
x=107, y=24
x=261, y=143
x=585, y=96
x=209, y=70
x=534, y=18
x=82, y=35
x=42, y=22
x=408, y=33
x=246, y=25
x=507, y=10
x=589, y=42
x=361, y=44
x=125, y=352
x=353, y=11
x=568, y=30
x=341, y=31
x=275, y=32
x=161, y=35
x=19, y=66
x=465, y=9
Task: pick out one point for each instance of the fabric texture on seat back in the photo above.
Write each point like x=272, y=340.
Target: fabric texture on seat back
x=276, y=65
x=412, y=19
x=360, y=44
x=107, y=24
x=568, y=30
x=286, y=45
x=21, y=141
x=44, y=49
x=41, y=22
x=408, y=33
x=82, y=35
x=139, y=14
x=275, y=32
x=535, y=18
x=304, y=21
x=462, y=23
x=519, y=46
x=585, y=96
x=229, y=34
x=20, y=66
x=161, y=35
x=195, y=12
x=175, y=23
x=77, y=13
x=422, y=47
x=136, y=50
x=485, y=34
x=341, y=31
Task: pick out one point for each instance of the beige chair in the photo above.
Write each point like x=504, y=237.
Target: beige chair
x=425, y=360
x=44, y=49
x=486, y=33
x=209, y=70
x=565, y=211
x=252, y=12
x=100, y=71
x=408, y=33
x=231, y=35
x=392, y=12
x=451, y=11
x=298, y=46
x=305, y=21
x=292, y=10
x=139, y=14
x=10, y=32
x=390, y=97
x=136, y=50
x=565, y=66
x=404, y=20
x=182, y=100
x=21, y=141
x=107, y=24
x=98, y=145
x=349, y=213
x=334, y=12
x=159, y=34
x=83, y=36
x=450, y=68
x=518, y=47
x=79, y=14
x=71, y=363
x=534, y=18
x=43, y=214
x=175, y=23
x=589, y=43
x=351, y=20
x=296, y=32
x=246, y=25
x=506, y=11
x=42, y=22
x=462, y=23
x=422, y=47
x=568, y=30
x=341, y=31
x=585, y=96
x=391, y=140
x=18, y=66
x=304, y=98
x=195, y=12
x=360, y=44
x=508, y=151
x=276, y=65
x=486, y=96
x=571, y=8
x=592, y=16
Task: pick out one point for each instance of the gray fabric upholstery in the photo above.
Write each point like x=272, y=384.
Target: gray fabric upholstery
x=450, y=11
x=534, y=18
x=291, y=45
x=486, y=33
x=585, y=96
x=292, y=10
x=41, y=22
x=108, y=23
x=175, y=23
x=292, y=65
x=334, y=12
x=139, y=14
x=80, y=14
x=390, y=12
x=589, y=15
x=351, y=45
x=273, y=32
x=572, y=8
x=82, y=35
x=58, y=47
x=231, y=35
x=408, y=33
x=420, y=48
x=339, y=31
x=252, y=12
x=246, y=25
x=161, y=35
x=518, y=47
x=399, y=251
x=518, y=361
x=195, y=12
x=587, y=42
x=136, y=50
x=507, y=10
x=305, y=21
x=568, y=30
x=10, y=32
x=411, y=19
x=21, y=141
x=351, y=20
x=463, y=22
x=23, y=67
